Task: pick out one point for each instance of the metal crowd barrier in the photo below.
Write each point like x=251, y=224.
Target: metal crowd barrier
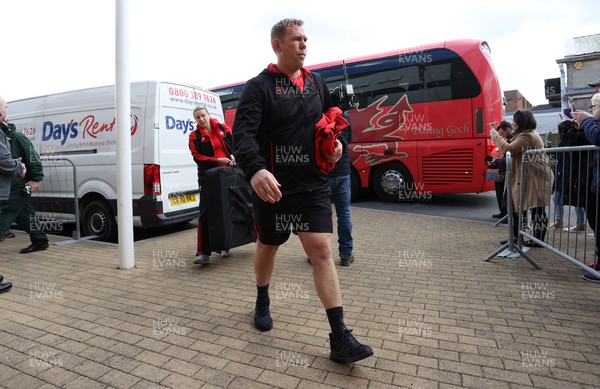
x=56, y=202
x=571, y=244
x=511, y=249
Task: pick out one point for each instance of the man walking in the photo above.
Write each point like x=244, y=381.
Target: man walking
x=18, y=207
x=274, y=143
x=8, y=167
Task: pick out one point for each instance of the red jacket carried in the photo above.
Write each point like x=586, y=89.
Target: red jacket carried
x=327, y=131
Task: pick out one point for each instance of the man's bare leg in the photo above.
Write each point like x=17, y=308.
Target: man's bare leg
x=318, y=248
x=344, y=347
x=264, y=262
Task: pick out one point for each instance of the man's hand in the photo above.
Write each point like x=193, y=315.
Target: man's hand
x=24, y=171
x=266, y=186
x=495, y=136
x=338, y=153
x=35, y=185
x=579, y=116
x=225, y=161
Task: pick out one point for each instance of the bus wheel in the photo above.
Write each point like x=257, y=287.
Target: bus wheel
x=388, y=180
x=98, y=220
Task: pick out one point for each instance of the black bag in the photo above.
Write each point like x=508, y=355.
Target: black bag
x=230, y=213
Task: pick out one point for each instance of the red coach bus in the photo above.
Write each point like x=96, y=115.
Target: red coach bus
x=423, y=123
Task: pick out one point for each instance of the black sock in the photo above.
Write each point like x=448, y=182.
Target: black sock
x=262, y=296
x=336, y=320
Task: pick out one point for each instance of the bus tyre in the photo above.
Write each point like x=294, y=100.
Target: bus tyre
x=388, y=180
x=98, y=219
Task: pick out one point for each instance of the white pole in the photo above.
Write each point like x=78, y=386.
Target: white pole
x=123, y=116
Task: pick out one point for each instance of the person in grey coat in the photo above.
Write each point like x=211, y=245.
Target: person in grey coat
x=8, y=167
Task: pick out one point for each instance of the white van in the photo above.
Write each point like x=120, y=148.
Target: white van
x=81, y=127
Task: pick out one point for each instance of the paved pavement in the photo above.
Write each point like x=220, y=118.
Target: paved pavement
x=436, y=315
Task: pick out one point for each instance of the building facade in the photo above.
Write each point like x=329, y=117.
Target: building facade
x=579, y=67
x=515, y=100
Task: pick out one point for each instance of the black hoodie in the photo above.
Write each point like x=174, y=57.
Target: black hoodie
x=274, y=129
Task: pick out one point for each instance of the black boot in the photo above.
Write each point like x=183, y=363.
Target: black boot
x=262, y=317
x=347, y=349
x=35, y=246
x=5, y=287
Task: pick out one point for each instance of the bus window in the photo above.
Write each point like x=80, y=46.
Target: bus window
x=333, y=77
x=442, y=76
x=230, y=96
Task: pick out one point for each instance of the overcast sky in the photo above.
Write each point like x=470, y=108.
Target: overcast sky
x=59, y=45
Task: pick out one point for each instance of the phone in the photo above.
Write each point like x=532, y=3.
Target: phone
x=569, y=110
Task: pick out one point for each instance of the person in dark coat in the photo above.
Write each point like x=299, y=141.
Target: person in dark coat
x=505, y=130
x=571, y=174
x=590, y=125
x=19, y=208
x=9, y=167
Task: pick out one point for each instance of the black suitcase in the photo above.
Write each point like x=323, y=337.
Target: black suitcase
x=229, y=202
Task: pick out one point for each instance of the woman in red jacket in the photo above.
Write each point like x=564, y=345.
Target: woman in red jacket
x=210, y=144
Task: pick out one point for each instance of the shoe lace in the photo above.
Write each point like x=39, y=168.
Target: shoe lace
x=347, y=336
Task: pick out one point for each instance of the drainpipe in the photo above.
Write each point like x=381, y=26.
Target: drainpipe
x=564, y=102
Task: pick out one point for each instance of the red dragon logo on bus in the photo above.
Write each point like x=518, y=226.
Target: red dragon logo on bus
x=378, y=153
x=383, y=122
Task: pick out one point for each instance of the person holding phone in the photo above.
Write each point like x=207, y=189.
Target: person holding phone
x=589, y=123
x=505, y=131
x=537, y=185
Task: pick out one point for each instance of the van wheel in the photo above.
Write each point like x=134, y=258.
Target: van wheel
x=98, y=219
x=389, y=179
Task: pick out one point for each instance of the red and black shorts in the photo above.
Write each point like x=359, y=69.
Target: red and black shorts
x=298, y=212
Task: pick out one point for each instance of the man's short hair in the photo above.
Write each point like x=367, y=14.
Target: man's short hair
x=278, y=30
x=504, y=125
